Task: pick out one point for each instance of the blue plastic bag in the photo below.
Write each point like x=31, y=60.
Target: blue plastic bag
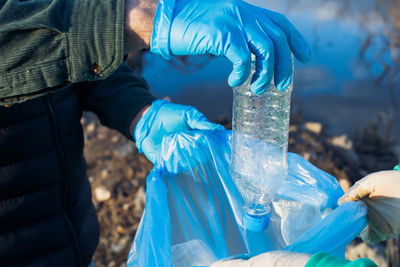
x=193, y=210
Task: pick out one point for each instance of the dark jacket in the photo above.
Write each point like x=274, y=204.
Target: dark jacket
x=57, y=58
x=46, y=214
x=45, y=44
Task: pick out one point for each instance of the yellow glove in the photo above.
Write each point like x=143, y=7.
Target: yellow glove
x=381, y=192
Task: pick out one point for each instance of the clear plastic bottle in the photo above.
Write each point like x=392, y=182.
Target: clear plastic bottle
x=259, y=149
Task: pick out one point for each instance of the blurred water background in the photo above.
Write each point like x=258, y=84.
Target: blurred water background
x=352, y=79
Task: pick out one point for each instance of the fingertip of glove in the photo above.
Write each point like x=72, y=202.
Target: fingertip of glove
x=234, y=80
x=238, y=76
x=257, y=90
x=301, y=49
x=283, y=83
x=260, y=83
x=305, y=56
x=283, y=86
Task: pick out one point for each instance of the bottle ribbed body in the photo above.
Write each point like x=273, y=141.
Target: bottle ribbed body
x=259, y=144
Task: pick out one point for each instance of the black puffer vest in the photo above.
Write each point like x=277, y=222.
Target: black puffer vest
x=46, y=214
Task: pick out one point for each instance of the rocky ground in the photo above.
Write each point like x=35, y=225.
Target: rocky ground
x=118, y=176
x=117, y=173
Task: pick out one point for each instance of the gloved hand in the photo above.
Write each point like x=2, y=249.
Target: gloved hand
x=164, y=118
x=234, y=29
x=381, y=192
x=271, y=259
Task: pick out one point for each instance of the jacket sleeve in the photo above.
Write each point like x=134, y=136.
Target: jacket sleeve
x=45, y=44
x=117, y=99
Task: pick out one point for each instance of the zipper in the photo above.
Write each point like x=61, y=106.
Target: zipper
x=64, y=185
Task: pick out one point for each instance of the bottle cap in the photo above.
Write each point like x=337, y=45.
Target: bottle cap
x=256, y=223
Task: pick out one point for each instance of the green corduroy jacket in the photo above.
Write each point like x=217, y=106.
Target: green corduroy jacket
x=48, y=44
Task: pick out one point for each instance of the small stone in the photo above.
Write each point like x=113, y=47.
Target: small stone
x=342, y=141
x=314, y=127
x=125, y=206
x=140, y=199
x=117, y=248
x=114, y=139
x=121, y=230
x=90, y=128
x=343, y=147
x=91, y=179
x=129, y=173
x=121, y=244
x=104, y=174
x=102, y=194
x=292, y=128
x=101, y=136
x=135, y=182
x=124, y=149
x=306, y=156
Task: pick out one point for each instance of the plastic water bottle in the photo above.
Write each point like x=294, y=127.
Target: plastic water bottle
x=259, y=149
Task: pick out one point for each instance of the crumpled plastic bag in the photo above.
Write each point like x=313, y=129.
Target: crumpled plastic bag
x=193, y=212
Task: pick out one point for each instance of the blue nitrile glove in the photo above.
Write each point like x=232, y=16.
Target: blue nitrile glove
x=164, y=118
x=234, y=29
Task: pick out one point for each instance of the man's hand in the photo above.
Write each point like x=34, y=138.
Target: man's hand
x=234, y=29
x=139, y=19
x=164, y=118
x=381, y=192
